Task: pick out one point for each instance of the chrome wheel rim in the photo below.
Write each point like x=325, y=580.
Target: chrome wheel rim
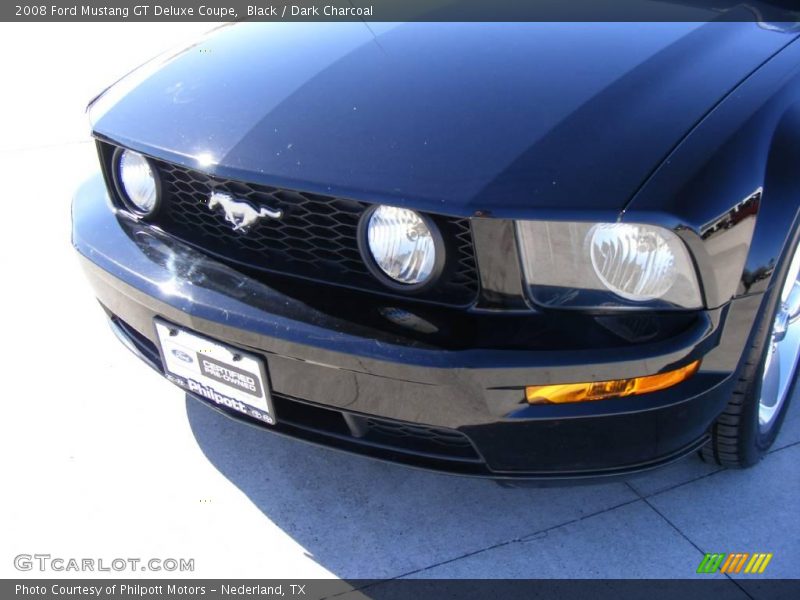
x=784, y=346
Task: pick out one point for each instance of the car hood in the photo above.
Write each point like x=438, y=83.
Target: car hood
x=490, y=118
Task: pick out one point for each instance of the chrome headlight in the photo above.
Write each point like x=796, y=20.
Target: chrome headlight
x=607, y=265
x=137, y=183
x=401, y=247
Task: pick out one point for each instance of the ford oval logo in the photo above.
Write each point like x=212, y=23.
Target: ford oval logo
x=181, y=355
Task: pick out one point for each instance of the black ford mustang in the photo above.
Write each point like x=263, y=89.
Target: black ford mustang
x=522, y=251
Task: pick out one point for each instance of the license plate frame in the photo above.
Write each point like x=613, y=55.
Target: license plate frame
x=215, y=371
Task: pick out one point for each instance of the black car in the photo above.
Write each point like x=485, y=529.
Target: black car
x=515, y=250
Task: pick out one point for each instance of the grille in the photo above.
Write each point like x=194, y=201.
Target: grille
x=434, y=435
x=316, y=238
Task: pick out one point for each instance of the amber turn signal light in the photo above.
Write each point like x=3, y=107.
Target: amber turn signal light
x=615, y=388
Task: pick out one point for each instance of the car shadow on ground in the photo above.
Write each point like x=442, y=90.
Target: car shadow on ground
x=360, y=518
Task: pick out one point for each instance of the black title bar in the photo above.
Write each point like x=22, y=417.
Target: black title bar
x=764, y=11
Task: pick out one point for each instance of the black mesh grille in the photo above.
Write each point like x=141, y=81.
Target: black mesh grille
x=316, y=238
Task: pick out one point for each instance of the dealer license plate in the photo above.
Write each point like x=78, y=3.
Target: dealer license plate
x=215, y=371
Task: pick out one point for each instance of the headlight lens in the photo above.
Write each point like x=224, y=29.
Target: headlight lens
x=138, y=183
x=402, y=245
x=633, y=261
x=607, y=265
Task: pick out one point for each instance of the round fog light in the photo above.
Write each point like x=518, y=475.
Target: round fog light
x=404, y=246
x=137, y=183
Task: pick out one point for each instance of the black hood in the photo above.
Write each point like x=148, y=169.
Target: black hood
x=453, y=118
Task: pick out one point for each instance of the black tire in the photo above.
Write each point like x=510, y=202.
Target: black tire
x=736, y=440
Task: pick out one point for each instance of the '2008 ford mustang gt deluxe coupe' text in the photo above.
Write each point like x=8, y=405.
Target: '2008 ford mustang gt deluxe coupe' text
x=520, y=251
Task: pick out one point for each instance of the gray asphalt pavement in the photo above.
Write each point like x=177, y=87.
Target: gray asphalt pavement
x=103, y=458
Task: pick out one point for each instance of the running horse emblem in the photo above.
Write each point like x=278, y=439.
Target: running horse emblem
x=240, y=213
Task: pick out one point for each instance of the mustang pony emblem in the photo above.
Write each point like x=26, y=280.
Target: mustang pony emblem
x=240, y=213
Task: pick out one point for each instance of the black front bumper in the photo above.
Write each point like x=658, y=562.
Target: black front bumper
x=346, y=384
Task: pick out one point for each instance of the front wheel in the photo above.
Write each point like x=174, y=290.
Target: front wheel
x=743, y=433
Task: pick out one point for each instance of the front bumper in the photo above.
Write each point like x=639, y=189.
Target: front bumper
x=348, y=385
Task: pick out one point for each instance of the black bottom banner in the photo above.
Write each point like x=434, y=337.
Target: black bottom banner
x=462, y=589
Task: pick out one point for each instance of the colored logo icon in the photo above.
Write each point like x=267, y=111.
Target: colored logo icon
x=735, y=562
